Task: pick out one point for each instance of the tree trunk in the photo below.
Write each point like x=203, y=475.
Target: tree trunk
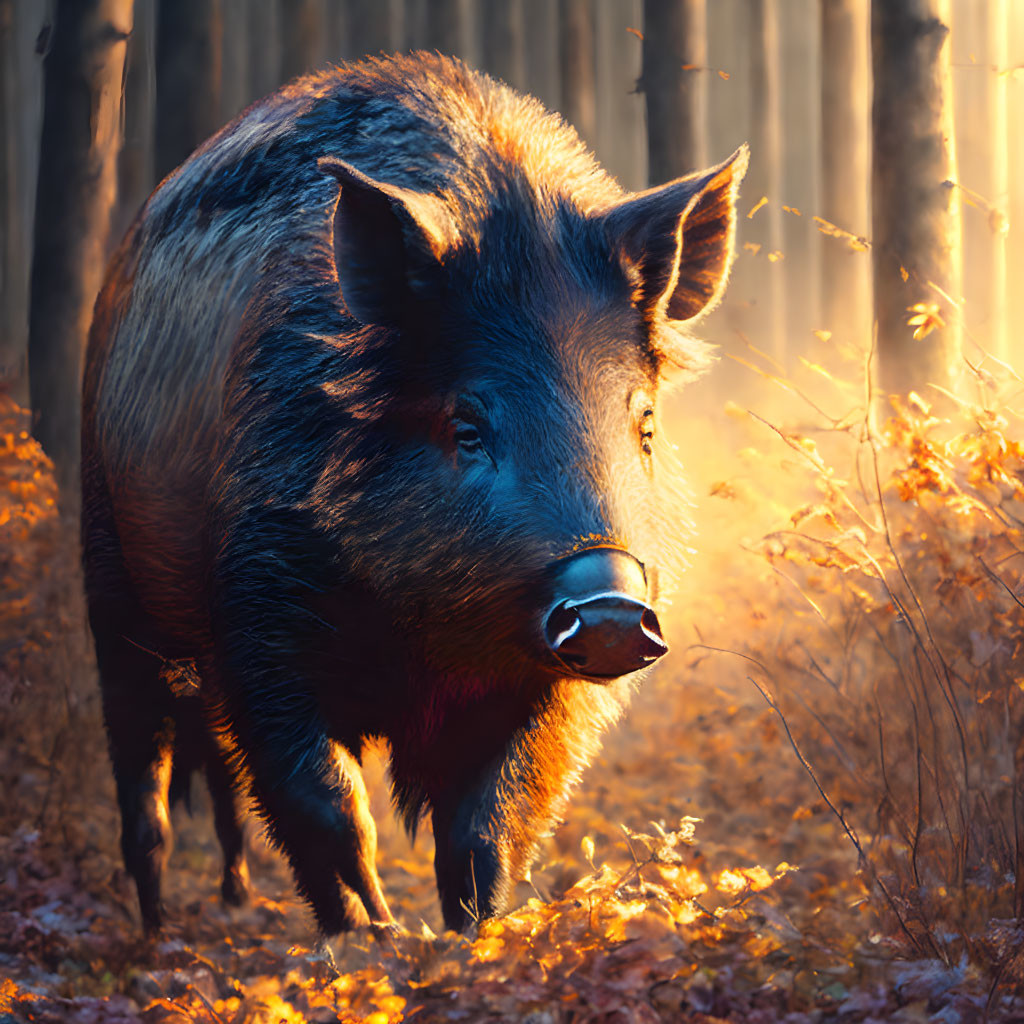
x=675, y=58
x=235, y=71
x=576, y=31
x=135, y=178
x=540, y=44
x=339, y=32
x=916, y=208
x=303, y=37
x=502, y=41
x=264, y=47
x=844, y=164
x=1015, y=199
x=763, y=178
x=998, y=179
x=22, y=86
x=727, y=126
x=414, y=24
x=727, y=121
x=980, y=57
x=621, y=139
x=188, y=78
x=444, y=28
x=369, y=26
x=77, y=187
x=12, y=297
x=798, y=56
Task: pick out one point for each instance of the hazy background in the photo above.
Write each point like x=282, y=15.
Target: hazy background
x=762, y=71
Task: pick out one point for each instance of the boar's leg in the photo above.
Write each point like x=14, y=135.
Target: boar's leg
x=308, y=788
x=234, y=887
x=140, y=729
x=320, y=817
x=138, y=708
x=489, y=819
x=470, y=860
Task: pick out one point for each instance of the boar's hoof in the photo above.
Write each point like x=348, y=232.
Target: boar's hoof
x=387, y=930
x=234, y=887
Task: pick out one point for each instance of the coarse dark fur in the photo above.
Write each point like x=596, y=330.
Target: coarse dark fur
x=332, y=443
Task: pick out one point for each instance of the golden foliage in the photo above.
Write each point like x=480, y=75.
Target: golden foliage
x=916, y=577
x=28, y=532
x=925, y=319
x=881, y=614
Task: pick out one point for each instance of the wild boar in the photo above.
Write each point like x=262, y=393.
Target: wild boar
x=369, y=444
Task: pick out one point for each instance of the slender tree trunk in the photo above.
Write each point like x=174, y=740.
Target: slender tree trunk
x=502, y=41
x=540, y=45
x=576, y=32
x=1015, y=199
x=264, y=47
x=727, y=121
x=235, y=71
x=303, y=37
x=76, y=192
x=979, y=57
x=12, y=296
x=339, y=32
x=845, y=172
x=369, y=27
x=414, y=24
x=799, y=104
x=135, y=175
x=621, y=138
x=188, y=78
x=764, y=177
x=916, y=208
x=728, y=125
x=675, y=59
x=22, y=86
x=444, y=30
x=998, y=182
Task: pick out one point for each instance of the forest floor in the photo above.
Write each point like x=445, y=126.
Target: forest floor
x=699, y=876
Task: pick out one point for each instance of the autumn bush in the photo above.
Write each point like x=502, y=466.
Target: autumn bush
x=51, y=742
x=892, y=648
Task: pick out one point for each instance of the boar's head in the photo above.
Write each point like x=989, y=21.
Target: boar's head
x=516, y=501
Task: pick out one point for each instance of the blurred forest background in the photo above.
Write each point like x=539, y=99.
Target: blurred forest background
x=657, y=89
x=844, y=705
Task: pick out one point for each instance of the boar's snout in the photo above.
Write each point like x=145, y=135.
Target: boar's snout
x=600, y=624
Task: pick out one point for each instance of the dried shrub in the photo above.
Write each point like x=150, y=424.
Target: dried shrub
x=897, y=661
x=50, y=735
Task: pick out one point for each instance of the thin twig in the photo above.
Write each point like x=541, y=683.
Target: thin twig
x=474, y=910
x=889, y=797
x=998, y=579
x=847, y=828
x=919, y=809
x=948, y=696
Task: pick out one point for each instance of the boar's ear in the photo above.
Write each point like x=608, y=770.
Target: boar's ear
x=388, y=243
x=678, y=239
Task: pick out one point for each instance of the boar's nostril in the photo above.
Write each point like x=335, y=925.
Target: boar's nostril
x=563, y=623
x=652, y=627
x=605, y=635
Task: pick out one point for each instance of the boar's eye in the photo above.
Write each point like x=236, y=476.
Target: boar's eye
x=468, y=429
x=646, y=430
x=467, y=436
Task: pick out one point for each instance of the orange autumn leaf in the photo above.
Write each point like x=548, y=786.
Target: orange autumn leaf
x=925, y=319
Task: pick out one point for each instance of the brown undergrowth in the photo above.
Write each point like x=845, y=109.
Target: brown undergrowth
x=899, y=658
x=700, y=875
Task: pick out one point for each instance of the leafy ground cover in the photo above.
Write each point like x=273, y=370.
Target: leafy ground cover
x=812, y=812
